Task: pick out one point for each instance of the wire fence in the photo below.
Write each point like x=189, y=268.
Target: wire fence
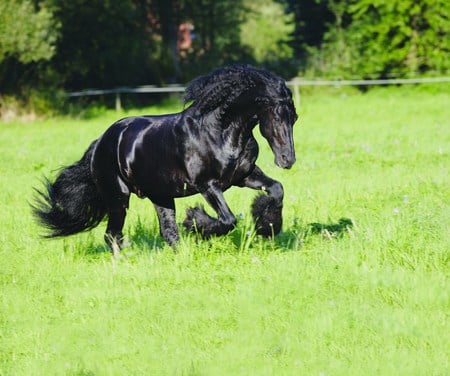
x=295, y=84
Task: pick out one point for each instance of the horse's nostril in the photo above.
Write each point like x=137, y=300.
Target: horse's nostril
x=285, y=160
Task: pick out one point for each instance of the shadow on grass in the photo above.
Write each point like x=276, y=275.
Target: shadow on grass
x=147, y=239
x=140, y=236
x=297, y=235
x=342, y=227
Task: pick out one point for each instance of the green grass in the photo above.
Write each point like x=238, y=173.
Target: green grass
x=323, y=299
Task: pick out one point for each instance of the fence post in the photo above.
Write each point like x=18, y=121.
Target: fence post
x=296, y=87
x=118, y=102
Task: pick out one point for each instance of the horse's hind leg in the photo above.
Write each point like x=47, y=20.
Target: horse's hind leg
x=113, y=189
x=167, y=223
x=266, y=209
x=113, y=235
x=116, y=197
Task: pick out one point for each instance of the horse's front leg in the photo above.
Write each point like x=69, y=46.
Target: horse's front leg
x=266, y=209
x=167, y=223
x=198, y=220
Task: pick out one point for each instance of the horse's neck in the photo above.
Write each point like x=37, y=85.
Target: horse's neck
x=234, y=124
x=241, y=118
x=227, y=133
x=238, y=131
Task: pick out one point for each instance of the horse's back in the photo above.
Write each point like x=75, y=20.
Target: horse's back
x=140, y=155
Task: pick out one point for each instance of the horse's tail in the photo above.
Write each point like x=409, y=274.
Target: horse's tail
x=71, y=203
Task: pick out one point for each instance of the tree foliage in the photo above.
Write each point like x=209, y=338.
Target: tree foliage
x=216, y=34
x=399, y=37
x=102, y=43
x=95, y=43
x=27, y=34
x=266, y=31
x=376, y=38
x=311, y=21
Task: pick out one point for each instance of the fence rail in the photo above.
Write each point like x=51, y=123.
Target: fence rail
x=294, y=83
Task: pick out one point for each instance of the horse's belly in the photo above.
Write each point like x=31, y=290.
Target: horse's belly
x=164, y=187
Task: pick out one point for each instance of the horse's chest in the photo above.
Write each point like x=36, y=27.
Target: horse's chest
x=225, y=162
x=229, y=166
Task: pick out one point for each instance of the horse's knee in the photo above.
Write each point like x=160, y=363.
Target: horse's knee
x=228, y=222
x=276, y=191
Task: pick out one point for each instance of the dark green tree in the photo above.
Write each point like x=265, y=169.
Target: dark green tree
x=399, y=37
x=216, y=42
x=102, y=43
x=312, y=19
x=27, y=38
x=376, y=38
x=128, y=42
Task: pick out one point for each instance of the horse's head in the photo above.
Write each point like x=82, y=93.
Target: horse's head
x=243, y=91
x=276, y=121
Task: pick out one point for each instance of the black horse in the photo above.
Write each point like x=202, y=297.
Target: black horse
x=207, y=148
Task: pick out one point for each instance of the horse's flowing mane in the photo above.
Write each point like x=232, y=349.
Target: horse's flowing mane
x=224, y=85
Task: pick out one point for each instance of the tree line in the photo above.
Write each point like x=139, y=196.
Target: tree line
x=81, y=44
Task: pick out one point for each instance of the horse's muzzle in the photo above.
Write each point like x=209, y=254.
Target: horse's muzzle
x=285, y=160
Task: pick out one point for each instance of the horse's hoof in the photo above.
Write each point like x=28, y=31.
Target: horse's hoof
x=116, y=243
x=266, y=212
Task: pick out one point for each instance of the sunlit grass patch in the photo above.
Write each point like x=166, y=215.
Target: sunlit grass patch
x=356, y=283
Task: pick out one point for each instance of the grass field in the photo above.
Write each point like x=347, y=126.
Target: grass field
x=324, y=298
